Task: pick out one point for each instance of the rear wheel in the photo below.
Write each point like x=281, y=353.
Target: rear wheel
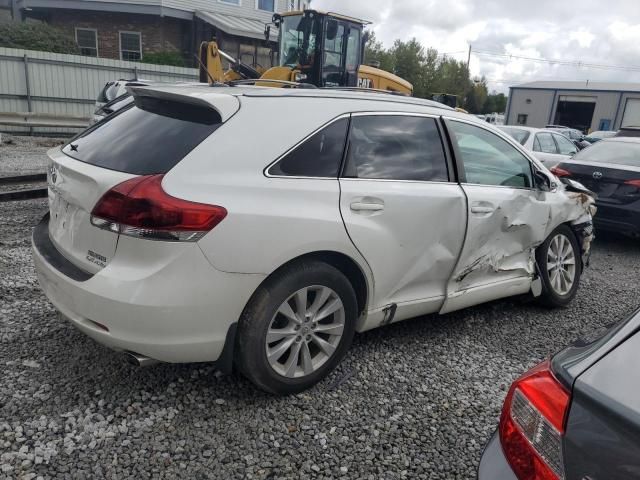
x=560, y=267
x=296, y=328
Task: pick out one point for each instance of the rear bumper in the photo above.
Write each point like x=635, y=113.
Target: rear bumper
x=159, y=299
x=493, y=464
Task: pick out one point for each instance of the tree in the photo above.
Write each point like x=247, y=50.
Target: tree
x=409, y=58
x=496, y=102
x=476, y=96
x=374, y=52
x=37, y=36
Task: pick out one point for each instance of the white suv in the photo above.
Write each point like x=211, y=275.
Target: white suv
x=262, y=227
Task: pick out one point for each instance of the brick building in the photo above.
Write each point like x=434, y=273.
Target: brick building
x=130, y=29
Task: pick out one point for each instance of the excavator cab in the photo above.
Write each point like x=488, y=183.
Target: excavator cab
x=323, y=49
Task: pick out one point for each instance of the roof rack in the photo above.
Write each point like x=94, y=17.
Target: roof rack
x=369, y=90
x=253, y=81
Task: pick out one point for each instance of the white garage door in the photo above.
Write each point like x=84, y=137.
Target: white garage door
x=632, y=113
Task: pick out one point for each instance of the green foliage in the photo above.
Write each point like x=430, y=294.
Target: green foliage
x=496, y=102
x=431, y=73
x=36, y=36
x=164, y=58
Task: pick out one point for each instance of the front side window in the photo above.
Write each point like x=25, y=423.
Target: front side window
x=87, y=40
x=565, y=146
x=298, y=40
x=488, y=159
x=318, y=156
x=333, y=37
x=394, y=147
x=544, y=143
x=353, y=50
x=268, y=5
x=130, y=46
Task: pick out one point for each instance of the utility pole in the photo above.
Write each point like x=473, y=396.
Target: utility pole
x=469, y=58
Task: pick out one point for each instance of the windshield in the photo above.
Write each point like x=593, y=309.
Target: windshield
x=298, y=40
x=521, y=136
x=621, y=153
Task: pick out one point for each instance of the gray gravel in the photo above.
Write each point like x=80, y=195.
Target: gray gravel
x=413, y=400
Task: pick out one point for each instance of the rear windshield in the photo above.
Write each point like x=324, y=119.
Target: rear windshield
x=521, y=136
x=148, y=137
x=621, y=153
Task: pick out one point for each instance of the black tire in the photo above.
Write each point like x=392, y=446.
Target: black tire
x=251, y=355
x=550, y=297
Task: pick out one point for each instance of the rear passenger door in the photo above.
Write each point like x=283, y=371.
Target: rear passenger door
x=545, y=149
x=401, y=208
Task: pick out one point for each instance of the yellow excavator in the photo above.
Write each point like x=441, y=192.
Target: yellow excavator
x=314, y=48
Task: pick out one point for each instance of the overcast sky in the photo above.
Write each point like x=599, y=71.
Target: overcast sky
x=602, y=32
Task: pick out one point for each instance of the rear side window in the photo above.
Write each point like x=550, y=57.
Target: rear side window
x=394, y=147
x=318, y=156
x=146, y=138
x=545, y=143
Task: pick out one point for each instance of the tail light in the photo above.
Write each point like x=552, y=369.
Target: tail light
x=532, y=425
x=560, y=172
x=139, y=207
x=634, y=183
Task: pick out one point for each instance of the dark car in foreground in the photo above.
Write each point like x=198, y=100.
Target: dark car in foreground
x=611, y=169
x=574, y=417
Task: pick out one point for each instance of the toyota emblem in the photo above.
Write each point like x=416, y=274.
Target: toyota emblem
x=597, y=175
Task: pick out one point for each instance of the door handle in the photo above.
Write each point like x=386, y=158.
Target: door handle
x=481, y=209
x=366, y=207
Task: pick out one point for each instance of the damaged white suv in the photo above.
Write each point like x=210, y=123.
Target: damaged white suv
x=263, y=227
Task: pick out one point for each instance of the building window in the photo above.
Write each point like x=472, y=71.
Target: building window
x=130, y=46
x=268, y=5
x=522, y=119
x=87, y=40
x=231, y=2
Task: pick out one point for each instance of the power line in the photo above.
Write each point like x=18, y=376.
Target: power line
x=568, y=63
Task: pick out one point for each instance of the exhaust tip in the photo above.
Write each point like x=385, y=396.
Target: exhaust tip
x=138, y=360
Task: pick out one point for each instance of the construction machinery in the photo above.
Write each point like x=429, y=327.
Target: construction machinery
x=314, y=49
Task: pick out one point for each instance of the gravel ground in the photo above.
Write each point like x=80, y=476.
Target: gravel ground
x=417, y=399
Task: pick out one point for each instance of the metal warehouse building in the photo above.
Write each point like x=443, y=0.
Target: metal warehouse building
x=586, y=106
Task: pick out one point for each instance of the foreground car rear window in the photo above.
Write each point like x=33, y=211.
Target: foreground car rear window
x=148, y=137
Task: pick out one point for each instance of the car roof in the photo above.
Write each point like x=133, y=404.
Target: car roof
x=207, y=92
x=635, y=140
x=530, y=129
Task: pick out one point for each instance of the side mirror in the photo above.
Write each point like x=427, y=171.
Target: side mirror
x=332, y=30
x=543, y=182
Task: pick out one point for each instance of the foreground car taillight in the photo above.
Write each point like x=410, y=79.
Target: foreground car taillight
x=532, y=425
x=560, y=172
x=139, y=207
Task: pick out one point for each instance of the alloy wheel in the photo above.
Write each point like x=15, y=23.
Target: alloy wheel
x=561, y=264
x=305, y=331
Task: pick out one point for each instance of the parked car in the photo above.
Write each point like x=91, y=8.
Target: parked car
x=214, y=224
x=573, y=134
x=574, y=417
x=611, y=169
x=548, y=146
x=110, y=107
x=628, y=132
x=598, y=135
x=115, y=89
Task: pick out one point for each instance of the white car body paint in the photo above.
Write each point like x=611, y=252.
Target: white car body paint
x=549, y=159
x=425, y=251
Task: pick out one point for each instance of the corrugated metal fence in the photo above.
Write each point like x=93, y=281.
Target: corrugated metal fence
x=68, y=85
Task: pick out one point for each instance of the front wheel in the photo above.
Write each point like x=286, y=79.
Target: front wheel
x=560, y=267
x=296, y=328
